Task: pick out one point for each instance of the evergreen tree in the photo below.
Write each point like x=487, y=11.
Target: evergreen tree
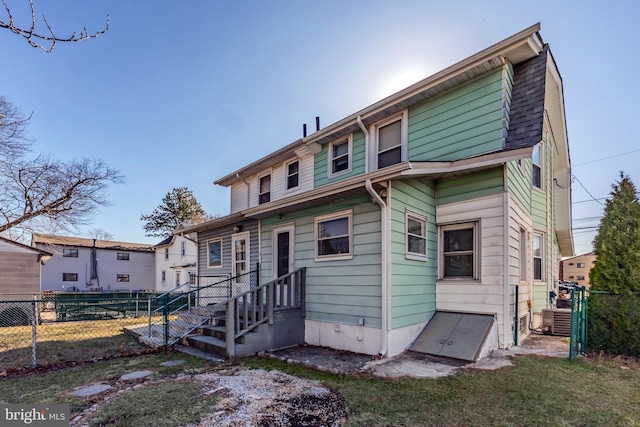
x=617, y=244
x=178, y=206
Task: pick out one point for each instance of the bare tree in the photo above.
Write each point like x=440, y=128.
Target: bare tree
x=45, y=41
x=65, y=193
x=13, y=140
x=100, y=234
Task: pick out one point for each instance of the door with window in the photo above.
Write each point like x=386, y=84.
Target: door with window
x=240, y=262
x=283, y=260
x=282, y=250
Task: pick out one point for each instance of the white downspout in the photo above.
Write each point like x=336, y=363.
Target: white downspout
x=384, y=261
x=384, y=269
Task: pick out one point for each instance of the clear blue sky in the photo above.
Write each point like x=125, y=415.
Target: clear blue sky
x=182, y=93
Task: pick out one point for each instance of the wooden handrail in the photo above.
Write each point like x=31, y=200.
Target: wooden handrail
x=258, y=305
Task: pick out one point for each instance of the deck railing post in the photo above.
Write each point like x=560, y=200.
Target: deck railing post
x=270, y=288
x=231, y=326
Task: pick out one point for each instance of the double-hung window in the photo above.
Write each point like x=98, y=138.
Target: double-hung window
x=340, y=156
x=536, y=177
x=459, y=251
x=390, y=141
x=122, y=256
x=538, y=252
x=293, y=174
x=333, y=236
x=70, y=253
x=183, y=248
x=214, y=253
x=416, y=239
x=265, y=189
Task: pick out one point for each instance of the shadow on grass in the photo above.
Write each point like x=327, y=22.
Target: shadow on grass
x=60, y=351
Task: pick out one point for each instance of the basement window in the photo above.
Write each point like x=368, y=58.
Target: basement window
x=122, y=278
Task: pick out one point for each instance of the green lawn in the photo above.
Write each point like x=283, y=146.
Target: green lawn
x=535, y=391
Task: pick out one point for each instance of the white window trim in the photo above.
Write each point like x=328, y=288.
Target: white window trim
x=218, y=239
x=476, y=251
x=349, y=215
x=270, y=175
x=404, y=138
x=183, y=248
x=541, y=165
x=419, y=218
x=246, y=236
x=330, y=158
x=542, y=252
x=286, y=175
x=163, y=276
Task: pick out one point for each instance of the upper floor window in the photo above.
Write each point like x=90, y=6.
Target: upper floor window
x=538, y=268
x=69, y=277
x=340, y=156
x=122, y=256
x=293, y=174
x=580, y=265
x=166, y=253
x=265, y=189
x=183, y=248
x=459, y=251
x=70, y=253
x=536, y=177
x=416, y=236
x=390, y=138
x=122, y=278
x=214, y=253
x=333, y=236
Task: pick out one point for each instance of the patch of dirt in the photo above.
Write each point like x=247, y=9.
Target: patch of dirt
x=251, y=398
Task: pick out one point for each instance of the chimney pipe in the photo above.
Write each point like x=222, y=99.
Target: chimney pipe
x=317, y=123
x=304, y=130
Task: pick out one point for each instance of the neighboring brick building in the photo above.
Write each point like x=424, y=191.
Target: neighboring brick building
x=20, y=267
x=576, y=269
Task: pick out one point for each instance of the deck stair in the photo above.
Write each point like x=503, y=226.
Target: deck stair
x=266, y=317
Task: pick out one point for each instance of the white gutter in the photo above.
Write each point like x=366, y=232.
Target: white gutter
x=384, y=268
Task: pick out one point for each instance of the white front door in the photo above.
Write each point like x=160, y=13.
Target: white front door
x=240, y=261
x=283, y=250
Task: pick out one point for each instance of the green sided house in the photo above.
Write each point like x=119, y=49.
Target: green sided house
x=431, y=220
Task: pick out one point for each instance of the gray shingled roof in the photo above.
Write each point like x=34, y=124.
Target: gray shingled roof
x=527, y=102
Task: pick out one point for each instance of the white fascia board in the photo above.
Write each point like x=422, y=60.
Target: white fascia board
x=494, y=159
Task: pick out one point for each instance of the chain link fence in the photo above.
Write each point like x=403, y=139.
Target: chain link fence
x=58, y=327
x=52, y=328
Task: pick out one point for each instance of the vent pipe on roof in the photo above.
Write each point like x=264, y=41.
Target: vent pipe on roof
x=304, y=130
x=317, y=123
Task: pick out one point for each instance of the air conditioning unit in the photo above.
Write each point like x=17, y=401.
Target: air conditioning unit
x=558, y=320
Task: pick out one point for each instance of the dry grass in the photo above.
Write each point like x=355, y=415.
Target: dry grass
x=66, y=341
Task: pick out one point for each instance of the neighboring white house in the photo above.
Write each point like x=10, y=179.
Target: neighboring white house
x=176, y=262
x=80, y=264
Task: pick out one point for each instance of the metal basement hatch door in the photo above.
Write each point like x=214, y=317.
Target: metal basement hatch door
x=455, y=335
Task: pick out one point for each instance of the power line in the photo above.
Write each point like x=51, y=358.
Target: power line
x=585, y=188
x=605, y=158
